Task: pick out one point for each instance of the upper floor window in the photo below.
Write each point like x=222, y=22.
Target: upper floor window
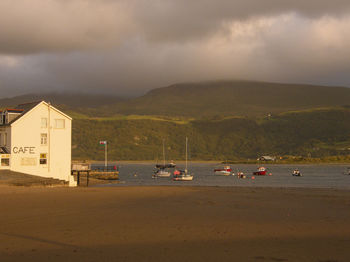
x=44, y=122
x=59, y=123
x=43, y=139
x=5, y=139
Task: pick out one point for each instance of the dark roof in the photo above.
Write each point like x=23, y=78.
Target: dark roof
x=14, y=110
x=23, y=109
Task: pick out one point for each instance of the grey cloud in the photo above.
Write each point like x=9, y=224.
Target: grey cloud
x=36, y=26
x=284, y=49
x=131, y=46
x=186, y=20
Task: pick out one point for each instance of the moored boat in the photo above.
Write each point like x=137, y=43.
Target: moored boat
x=225, y=171
x=296, y=172
x=347, y=172
x=183, y=175
x=161, y=173
x=241, y=175
x=262, y=171
x=162, y=169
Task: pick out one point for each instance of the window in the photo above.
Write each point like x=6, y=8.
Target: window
x=5, y=162
x=44, y=122
x=59, y=123
x=5, y=139
x=43, y=159
x=43, y=140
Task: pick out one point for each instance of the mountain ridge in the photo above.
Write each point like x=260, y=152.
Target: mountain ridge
x=241, y=98
x=201, y=100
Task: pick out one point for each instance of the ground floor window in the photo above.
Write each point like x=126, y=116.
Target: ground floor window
x=5, y=162
x=43, y=159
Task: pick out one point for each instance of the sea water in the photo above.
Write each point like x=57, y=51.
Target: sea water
x=314, y=176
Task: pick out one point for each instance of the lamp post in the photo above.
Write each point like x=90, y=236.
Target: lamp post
x=105, y=145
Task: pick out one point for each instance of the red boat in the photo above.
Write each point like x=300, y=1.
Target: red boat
x=262, y=171
x=225, y=171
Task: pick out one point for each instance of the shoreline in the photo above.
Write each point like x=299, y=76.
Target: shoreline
x=142, y=162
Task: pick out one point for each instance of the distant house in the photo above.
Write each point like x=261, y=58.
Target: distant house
x=35, y=138
x=266, y=158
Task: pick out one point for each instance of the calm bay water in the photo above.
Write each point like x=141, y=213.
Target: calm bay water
x=314, y=176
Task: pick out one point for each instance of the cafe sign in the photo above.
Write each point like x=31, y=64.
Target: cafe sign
x=23, y=150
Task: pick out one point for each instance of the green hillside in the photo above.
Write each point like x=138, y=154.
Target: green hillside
x=224, y=120
x=319, y=133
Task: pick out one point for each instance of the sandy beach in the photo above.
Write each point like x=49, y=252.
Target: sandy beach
x=174, y=224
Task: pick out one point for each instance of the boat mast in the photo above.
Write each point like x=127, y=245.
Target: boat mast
x=186, y=155
x=163, y=153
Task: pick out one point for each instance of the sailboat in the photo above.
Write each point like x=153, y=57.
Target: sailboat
x=183, y=175
x=161, y=170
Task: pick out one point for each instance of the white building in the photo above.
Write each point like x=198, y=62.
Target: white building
x=35, y=139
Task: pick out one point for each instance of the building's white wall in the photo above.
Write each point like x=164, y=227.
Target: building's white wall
x=26, y=144
x=5, y=130
x=60, y=141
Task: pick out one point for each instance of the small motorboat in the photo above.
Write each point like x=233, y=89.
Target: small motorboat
x=225, y=171
x=260, y=172
x=241, y=175
x=296, y=172
x=347, y=172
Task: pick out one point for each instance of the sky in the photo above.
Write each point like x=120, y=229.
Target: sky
x=126, y=47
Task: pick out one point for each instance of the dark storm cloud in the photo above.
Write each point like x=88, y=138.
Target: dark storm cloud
x=129, y=46
x=33, y=26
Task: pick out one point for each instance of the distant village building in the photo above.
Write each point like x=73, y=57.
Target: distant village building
x=35, y=138
x=266, y=158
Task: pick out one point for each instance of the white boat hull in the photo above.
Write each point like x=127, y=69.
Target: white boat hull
x=161, y=174
x=222, y=173
x=183, y=178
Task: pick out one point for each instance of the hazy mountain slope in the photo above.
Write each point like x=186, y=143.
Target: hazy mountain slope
x=69, y=100
x=241, y=98
x=199, y=100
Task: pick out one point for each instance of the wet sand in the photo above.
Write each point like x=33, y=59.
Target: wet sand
x=12, y=178
x=174, y=224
